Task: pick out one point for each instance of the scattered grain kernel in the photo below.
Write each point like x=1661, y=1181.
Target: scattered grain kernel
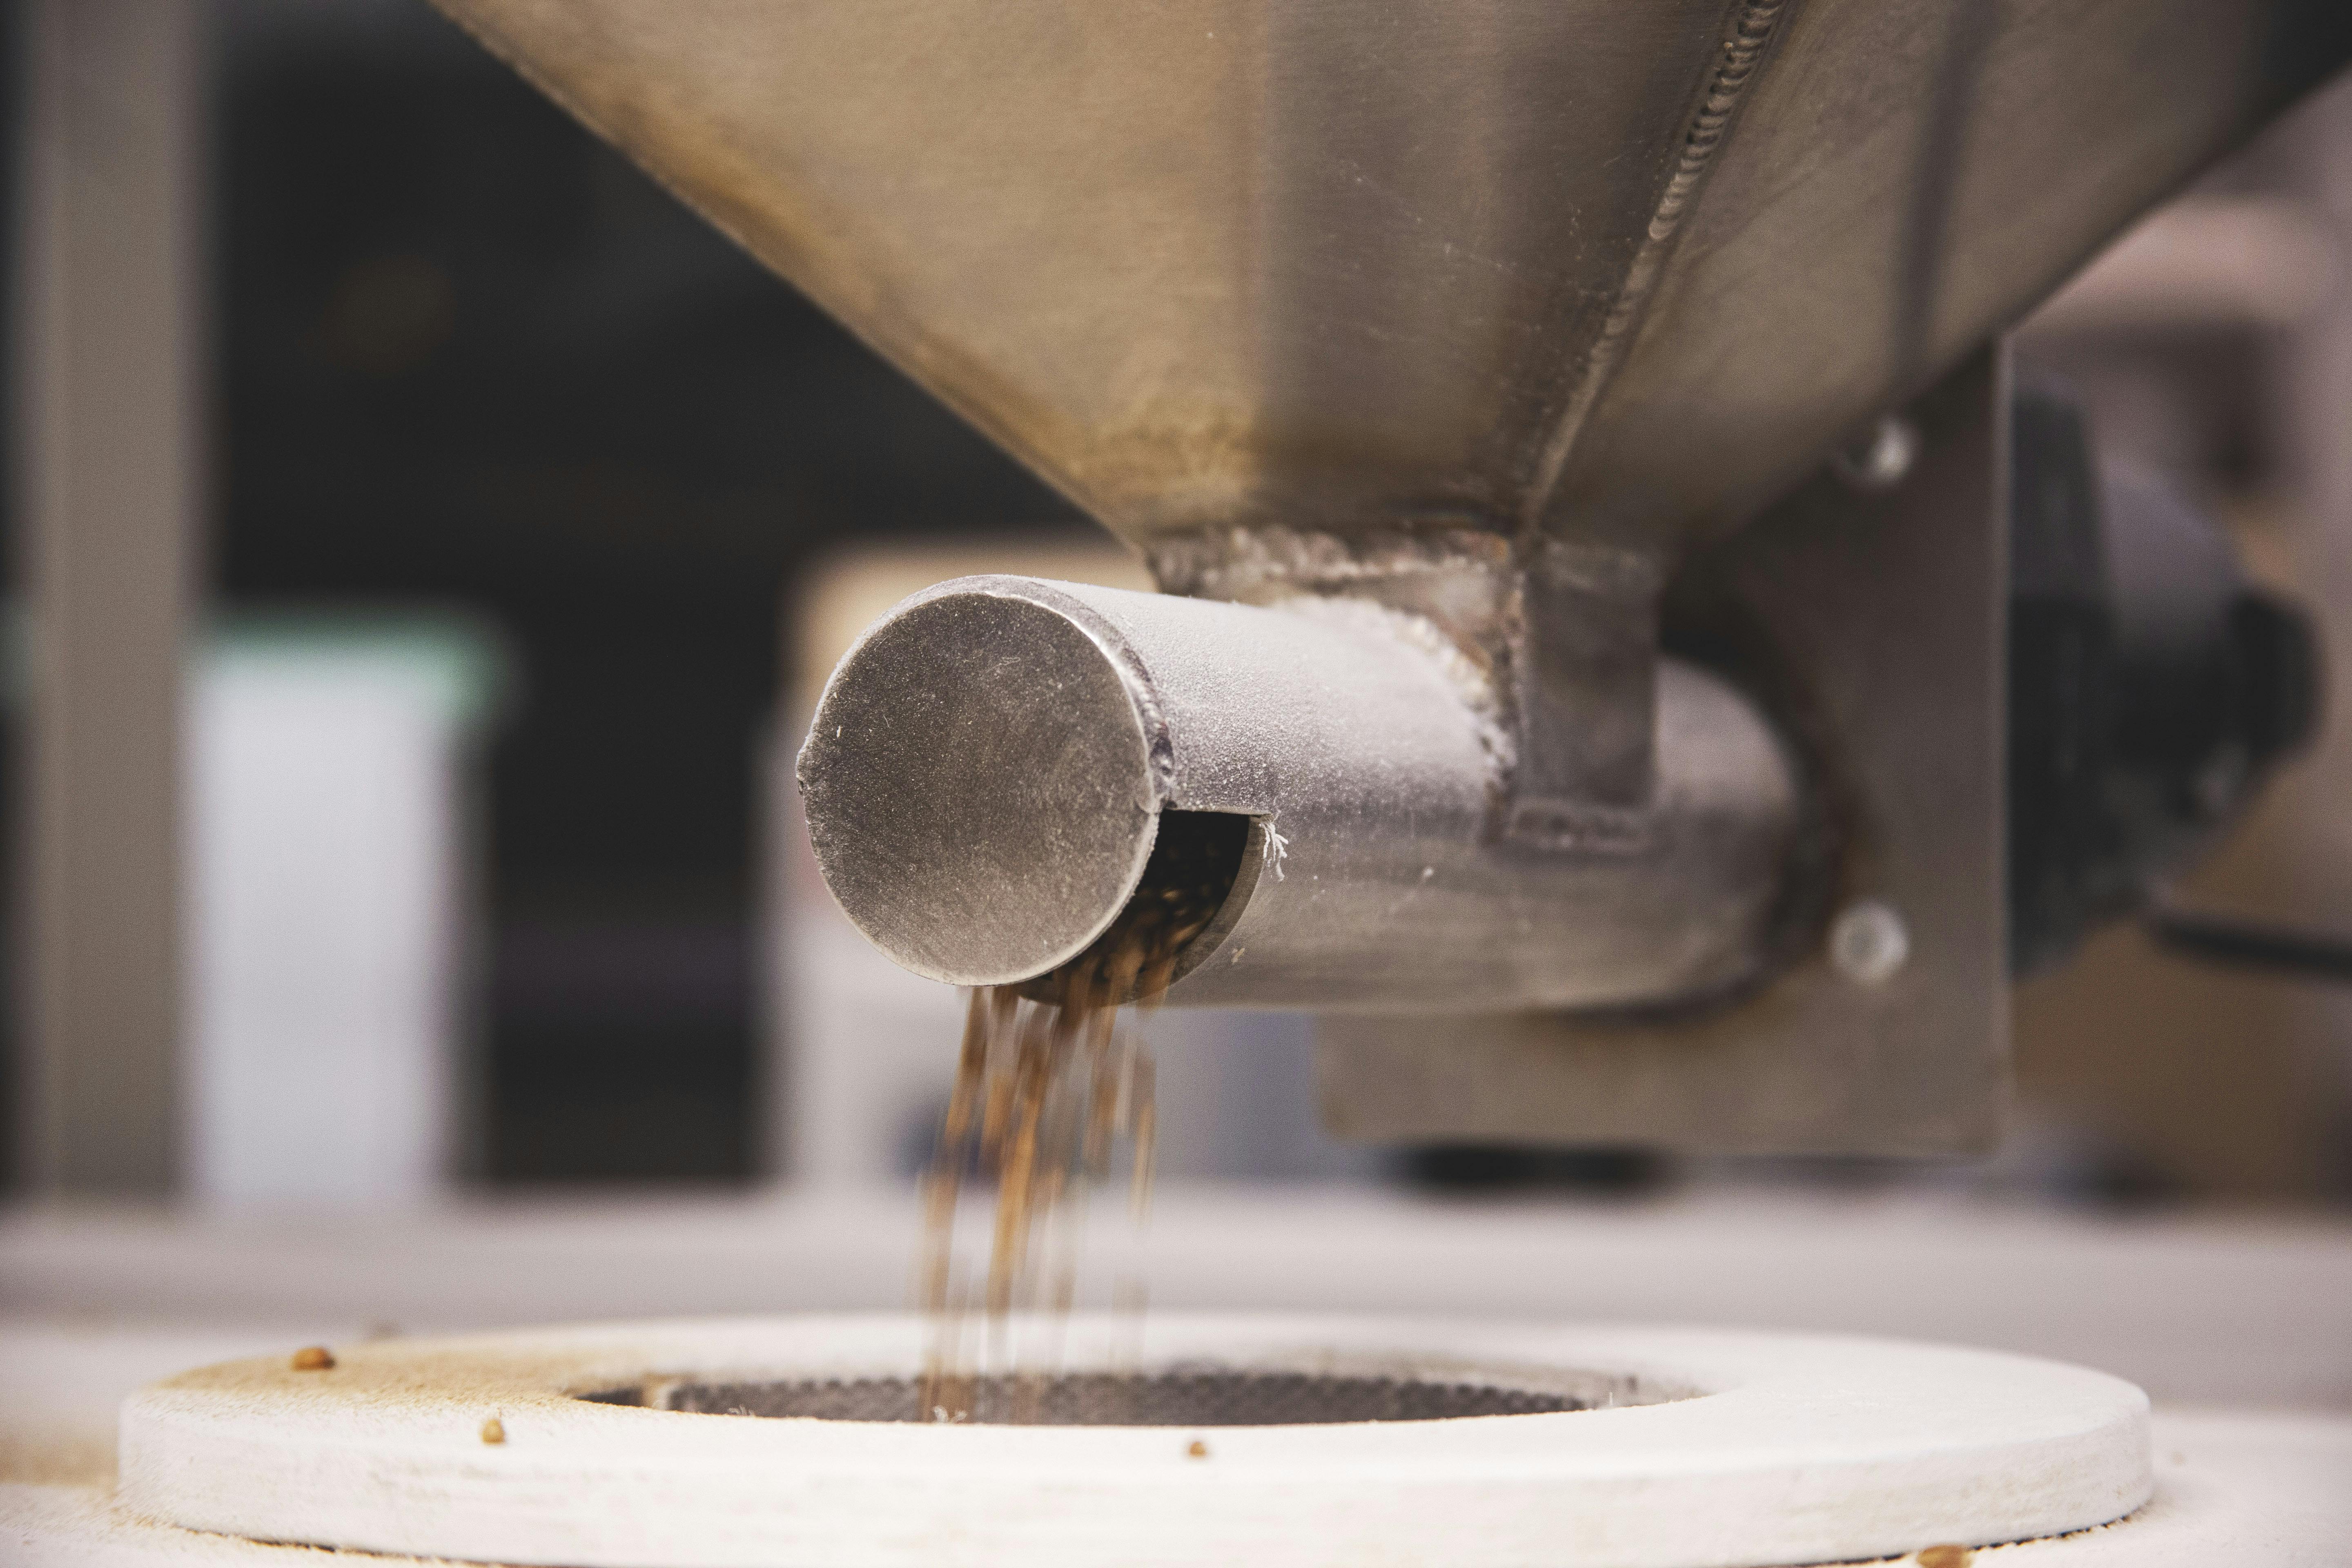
x=494, y=1431
x=1944, y=1557
x=1198, y=1449
x=313, y=1358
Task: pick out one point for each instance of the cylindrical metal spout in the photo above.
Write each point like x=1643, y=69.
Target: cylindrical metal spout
x=992, y=766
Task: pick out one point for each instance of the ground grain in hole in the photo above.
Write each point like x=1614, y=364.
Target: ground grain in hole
x=1174, y=1398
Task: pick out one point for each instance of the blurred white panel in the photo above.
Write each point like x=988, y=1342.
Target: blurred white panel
x=325, y=830
x=874, y=1052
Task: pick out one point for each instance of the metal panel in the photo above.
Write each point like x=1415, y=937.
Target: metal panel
x=1874, y=623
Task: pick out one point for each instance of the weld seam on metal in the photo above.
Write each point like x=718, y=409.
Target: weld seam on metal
x=1744, y=47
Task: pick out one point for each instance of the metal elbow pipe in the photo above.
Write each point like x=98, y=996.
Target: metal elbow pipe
x=991, y=767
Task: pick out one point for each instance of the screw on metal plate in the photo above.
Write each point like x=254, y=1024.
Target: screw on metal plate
x=1868, y=942
x=1881, y=457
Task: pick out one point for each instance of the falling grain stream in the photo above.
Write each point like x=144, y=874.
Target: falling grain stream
x=1050, y=1085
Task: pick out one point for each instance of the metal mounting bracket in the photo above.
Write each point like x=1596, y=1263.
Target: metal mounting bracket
x=1870, y=616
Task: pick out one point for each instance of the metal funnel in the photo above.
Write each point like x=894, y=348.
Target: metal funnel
x=1618, y=271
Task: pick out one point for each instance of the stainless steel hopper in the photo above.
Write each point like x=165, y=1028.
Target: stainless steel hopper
x=1615, y=270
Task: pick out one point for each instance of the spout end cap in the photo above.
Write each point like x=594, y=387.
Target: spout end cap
x=978, y=783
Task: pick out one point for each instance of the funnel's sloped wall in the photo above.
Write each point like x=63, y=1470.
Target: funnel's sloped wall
x=1024, y=207
x=1908, y=178
x=1323, y=265
x=1346, y=264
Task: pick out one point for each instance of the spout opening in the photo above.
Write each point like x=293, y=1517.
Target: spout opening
x=1201, y=871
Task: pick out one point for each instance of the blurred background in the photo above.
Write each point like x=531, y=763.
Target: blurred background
x=426, y=538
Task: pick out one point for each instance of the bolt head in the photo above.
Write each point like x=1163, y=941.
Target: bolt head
x=1868, y=942
x=1881, y=457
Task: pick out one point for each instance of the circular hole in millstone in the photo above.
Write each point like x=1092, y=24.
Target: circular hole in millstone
x=1178, y=1397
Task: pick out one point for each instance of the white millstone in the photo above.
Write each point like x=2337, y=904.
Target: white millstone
x=1793, y=1448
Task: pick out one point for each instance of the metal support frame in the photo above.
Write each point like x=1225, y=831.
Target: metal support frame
x=1871, y=622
